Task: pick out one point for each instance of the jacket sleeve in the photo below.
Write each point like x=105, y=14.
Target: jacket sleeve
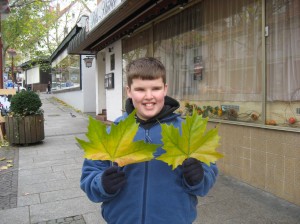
x=209, y=179
x=90, y=181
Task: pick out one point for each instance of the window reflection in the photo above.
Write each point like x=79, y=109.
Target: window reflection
x=66, y=74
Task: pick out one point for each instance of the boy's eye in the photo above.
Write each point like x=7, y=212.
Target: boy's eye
x=152, y=89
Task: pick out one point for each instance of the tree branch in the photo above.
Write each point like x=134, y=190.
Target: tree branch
x=22, y=3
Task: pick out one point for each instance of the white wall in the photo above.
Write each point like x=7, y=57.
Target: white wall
x=114, y=96
x=72, y=98
x=100, y=90
x=89, y=86
x=33, y=75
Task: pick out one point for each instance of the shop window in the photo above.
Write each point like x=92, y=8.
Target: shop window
x=66, y=74
x=283, y=63
x=213, y=59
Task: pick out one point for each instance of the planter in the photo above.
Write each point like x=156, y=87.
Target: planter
x=25, y=130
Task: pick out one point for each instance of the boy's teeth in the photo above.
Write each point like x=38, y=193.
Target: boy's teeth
x=149, y=104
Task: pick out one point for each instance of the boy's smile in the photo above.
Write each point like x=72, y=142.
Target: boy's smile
x=148, y=96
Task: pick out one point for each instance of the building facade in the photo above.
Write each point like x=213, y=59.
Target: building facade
x=35, y=75
x=234, y=61
x=71, y=80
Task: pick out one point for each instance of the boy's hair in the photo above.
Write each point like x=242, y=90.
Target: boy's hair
x=147, y=68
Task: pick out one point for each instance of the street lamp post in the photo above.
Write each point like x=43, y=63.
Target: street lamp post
x=12, y=53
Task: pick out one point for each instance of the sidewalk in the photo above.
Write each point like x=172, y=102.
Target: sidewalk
x=47, y=181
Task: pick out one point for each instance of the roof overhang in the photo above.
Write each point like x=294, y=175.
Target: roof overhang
x=32, y=63
x=128, y=17
x=64, y=44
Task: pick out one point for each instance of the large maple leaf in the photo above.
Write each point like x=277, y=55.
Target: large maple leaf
x=117, y=145
x=194, y=142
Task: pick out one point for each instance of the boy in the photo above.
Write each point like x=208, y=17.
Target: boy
x=149, y=192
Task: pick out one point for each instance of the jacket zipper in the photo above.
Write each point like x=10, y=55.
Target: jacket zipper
x=145, y=182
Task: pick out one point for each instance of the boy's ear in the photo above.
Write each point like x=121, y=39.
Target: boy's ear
x=166, y=89
x=128, y=91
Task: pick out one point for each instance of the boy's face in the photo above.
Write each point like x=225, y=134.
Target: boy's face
x=148, y=96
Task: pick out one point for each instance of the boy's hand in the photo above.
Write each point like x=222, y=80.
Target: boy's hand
x=192, y=171
x=113, y=180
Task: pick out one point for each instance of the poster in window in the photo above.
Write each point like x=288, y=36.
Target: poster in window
x=109, y=81
x=198, y=68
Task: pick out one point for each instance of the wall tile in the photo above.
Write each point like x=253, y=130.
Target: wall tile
x=259, y=144
x=258, y=156
x=292, y=138
x=275, y=146
x=270, y=178
x=258, y=173
x=291, y=150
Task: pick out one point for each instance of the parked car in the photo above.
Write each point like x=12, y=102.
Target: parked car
x=69, y=84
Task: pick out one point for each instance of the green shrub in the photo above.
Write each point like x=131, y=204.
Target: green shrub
x=25, y=103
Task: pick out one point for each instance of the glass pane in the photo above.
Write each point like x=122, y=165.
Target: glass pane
x=66, y=74
x=137, y=46
x=283, y=63
x=213, y=58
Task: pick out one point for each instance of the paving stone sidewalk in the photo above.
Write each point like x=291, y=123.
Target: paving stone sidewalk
x=9, y=159
x=78, y=219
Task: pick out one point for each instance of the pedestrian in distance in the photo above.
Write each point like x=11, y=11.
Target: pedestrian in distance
x=148, y=192
x=49, y=88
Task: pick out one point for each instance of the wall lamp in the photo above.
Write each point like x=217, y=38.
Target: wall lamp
x=110, y=49
x=88, y=61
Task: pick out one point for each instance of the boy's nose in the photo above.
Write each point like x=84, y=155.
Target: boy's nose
x=148, y=94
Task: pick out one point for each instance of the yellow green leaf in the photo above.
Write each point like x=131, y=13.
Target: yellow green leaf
x=3, y=168
x=118, y=145
x=195, y=141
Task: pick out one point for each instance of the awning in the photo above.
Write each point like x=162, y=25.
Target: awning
x=131, y=15
x=64, y=44
x=76, y=41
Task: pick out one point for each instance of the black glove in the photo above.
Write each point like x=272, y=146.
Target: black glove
x=192, y=171
x=113, y=179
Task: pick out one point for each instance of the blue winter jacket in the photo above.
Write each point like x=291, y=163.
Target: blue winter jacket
x=154, y=193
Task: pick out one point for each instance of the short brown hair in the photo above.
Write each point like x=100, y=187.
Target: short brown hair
x=147, y=68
